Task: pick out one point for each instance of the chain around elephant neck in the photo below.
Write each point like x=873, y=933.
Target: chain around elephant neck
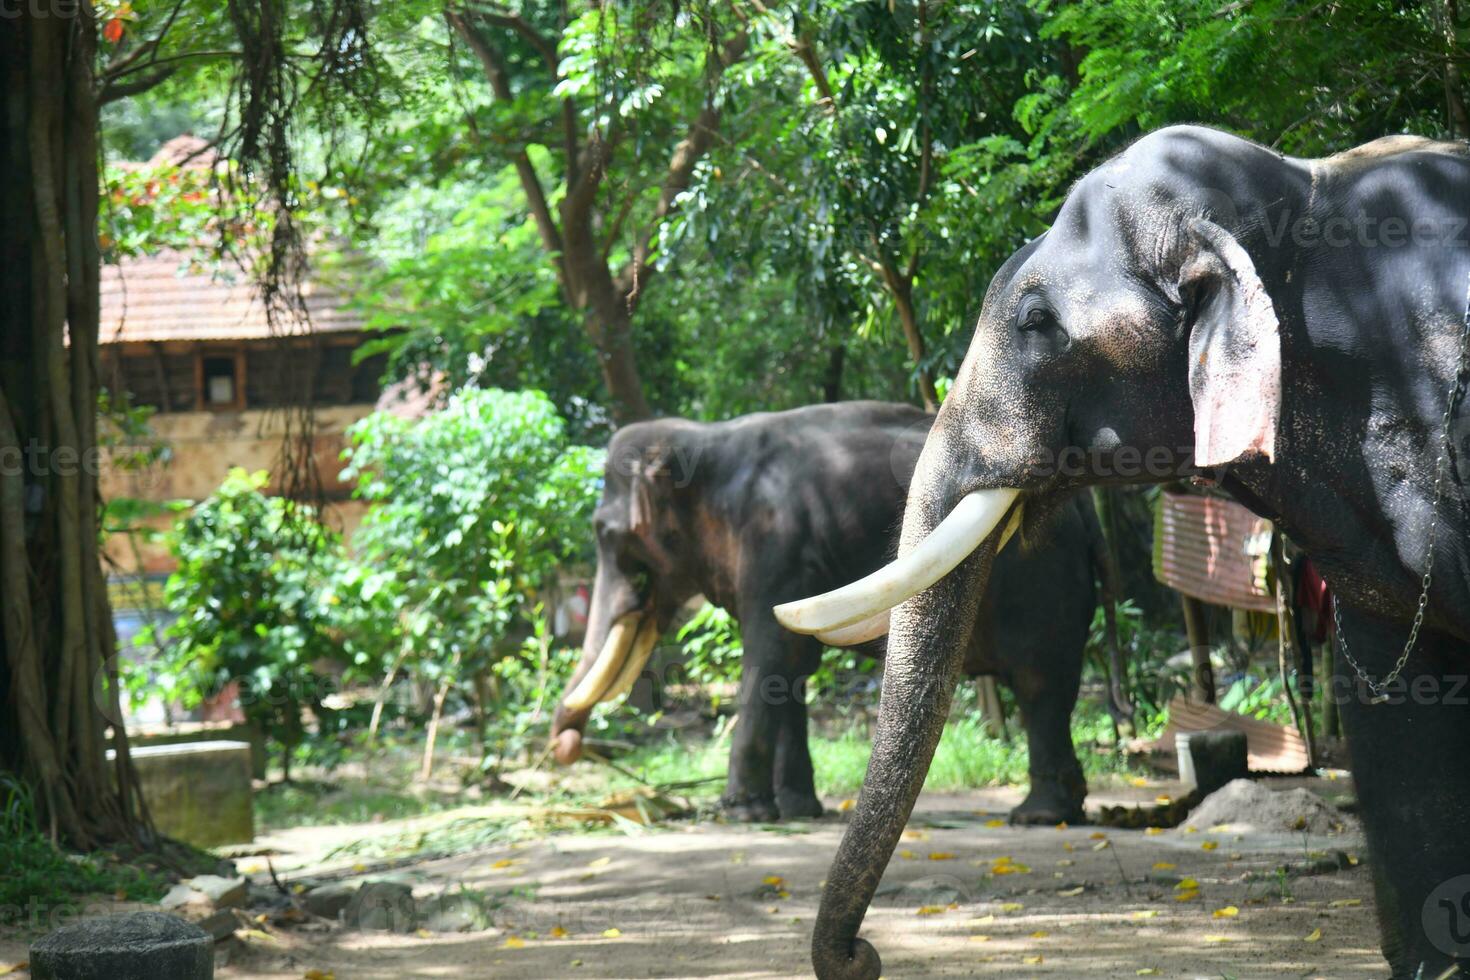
x=1441, y=466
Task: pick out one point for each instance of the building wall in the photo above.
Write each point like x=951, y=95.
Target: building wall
x=206, y=445
x=164, y=374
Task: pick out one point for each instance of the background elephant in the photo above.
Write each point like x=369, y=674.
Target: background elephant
x=1290, y=328
x=767, y=507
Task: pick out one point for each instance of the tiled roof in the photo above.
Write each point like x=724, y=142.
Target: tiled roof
x=166, y=297
x=161, y=297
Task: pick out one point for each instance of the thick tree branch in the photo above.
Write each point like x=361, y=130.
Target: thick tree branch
x=547, y=50
x=806, y=53
x=123, y=90
x=616, y=229
x=121, y=66
x=495, y=71
x=521, y=26
x=591, y=167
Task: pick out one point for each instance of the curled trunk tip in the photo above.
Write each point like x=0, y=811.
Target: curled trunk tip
x=859, y=961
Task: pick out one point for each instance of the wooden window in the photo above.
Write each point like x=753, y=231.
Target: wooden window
x=219, y=380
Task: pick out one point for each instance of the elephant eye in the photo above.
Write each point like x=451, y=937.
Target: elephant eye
x=1036, y=318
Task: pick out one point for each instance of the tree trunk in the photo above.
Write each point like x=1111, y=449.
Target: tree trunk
x=606, y=315
x=1454, y=85
x=903, y=299
x=1196, y=625
x=832, y=383
x=57, y=680
x=618, y=362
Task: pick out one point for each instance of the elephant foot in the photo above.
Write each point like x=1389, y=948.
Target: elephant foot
x=798, y=806
x=749, y=810
x=1049, y=804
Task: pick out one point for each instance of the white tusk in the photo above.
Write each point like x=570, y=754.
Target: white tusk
x=607, y=667
x=850, y=636
x=633, y=666
x=970, y=523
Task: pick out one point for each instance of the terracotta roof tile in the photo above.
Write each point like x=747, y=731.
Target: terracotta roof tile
x=160, y=297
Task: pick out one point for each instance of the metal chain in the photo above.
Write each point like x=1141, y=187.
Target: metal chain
x=1441, y=465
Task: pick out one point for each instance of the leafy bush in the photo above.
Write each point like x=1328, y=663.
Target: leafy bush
x=711, y=645
x=256, y=600
x=474, y=509
x=1151, y=683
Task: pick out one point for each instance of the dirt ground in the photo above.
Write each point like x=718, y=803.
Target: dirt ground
x=966, y=896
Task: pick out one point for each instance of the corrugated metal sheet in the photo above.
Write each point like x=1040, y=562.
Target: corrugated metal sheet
x=1269, y=748
x=1200, y=550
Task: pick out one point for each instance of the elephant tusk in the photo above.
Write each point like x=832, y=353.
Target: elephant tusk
x=971, y=522
x=643, y=646
x=607, y=667
x=861, y=632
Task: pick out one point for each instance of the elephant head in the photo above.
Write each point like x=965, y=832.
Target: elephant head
x=640, y=580
x=1133, y=342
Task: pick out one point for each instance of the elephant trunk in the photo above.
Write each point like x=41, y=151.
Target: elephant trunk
x=929, y=635
x=614, y=628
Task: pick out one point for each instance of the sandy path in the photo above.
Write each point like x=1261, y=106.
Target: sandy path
x=692, y=901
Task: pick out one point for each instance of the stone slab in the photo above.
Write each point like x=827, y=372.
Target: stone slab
x=198, y=792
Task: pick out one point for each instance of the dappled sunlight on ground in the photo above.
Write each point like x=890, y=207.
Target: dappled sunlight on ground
x=963, y=897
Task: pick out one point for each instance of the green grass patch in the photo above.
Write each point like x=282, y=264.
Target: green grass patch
x=967, y=758
x=314, y=804
x=36, y=875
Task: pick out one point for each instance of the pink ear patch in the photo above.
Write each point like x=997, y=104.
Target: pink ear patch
x=640, y=503
x=1235, y=376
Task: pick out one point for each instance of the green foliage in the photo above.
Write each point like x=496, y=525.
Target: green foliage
x=39, y=876
x=256, y=600
x=1261, y=699
x=1151, y=683
x=474, y=510
x=148, y=209
x=711, y=645
x=1334, y=76
x=461, y=266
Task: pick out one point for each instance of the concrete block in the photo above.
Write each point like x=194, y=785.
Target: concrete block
x=1209, y=760
x=205, y=731
x=198, y=792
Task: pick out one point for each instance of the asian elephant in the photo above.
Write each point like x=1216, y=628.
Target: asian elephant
x=1289, y=328
x=765, y=508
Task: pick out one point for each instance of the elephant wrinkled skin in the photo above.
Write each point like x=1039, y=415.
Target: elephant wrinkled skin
x=765, y=508
x=1289, y=328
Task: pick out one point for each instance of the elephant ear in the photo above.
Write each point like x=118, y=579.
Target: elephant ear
x=1234, y=350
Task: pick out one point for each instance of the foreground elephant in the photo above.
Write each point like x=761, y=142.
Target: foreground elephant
x=768, y=507
x=1291, y=328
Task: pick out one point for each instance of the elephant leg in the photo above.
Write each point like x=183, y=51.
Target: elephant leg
x=1411, y=769
x=767, y=690
x=1057, y=784
x=794, y=779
